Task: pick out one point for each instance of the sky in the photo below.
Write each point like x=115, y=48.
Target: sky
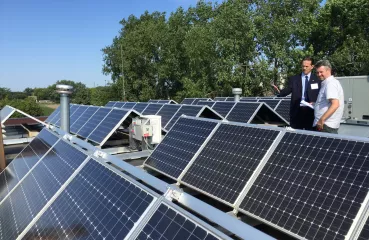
x=42, y=41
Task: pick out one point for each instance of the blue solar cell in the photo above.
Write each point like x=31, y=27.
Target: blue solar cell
x=188, y=101
x=228, y=160
x=52, y=115
x=140, y=107
x=107, y=125
x=311, y=186
x=189, y=110
x=24, y=161
x=72, y=109
x=223, y=108
x=93, y=122
x=110, y=104
x=242, y=112
x=56, y=116
x=119, y=104
x=283, y=109
x=167, y=223
x=178, y=147
x=78, y=124
x=167, y=112
x=37, y=188
x=152, y=109
x=97, y=204
x=129, y=105
x=77, y=114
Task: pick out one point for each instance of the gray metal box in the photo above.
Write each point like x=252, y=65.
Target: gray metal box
x=356, y=91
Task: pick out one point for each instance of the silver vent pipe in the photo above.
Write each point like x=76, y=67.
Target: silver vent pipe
x=64, y=91
x=237, y=93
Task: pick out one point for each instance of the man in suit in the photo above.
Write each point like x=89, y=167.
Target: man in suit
x=304, y=86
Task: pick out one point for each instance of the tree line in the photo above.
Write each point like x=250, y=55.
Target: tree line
x=207, y=49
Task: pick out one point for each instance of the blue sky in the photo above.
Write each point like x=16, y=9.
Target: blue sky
x=42, y=41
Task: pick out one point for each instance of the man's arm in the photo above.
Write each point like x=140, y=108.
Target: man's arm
x=335, y=103
x=287, y=90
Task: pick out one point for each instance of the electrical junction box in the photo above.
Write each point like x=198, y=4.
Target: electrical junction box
x=147, y=126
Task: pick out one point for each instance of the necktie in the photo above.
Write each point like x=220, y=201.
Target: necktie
x=306, y=89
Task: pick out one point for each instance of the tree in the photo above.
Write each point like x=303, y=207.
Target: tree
x=28, y=106
x=342, y=36
x=80, y=95
x=4, y=93
x=28, y=91
x=282, y=29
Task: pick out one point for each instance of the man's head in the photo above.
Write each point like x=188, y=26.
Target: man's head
x=307, y=65
x=323, y=69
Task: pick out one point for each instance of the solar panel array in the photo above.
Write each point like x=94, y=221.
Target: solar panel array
x=244, y=111
x=310, y=186
x=96, y=124
x=194, y=101
x=170, y=112
x=68, y=194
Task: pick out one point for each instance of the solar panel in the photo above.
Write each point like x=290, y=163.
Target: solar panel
x=248, y=100
x=243, y=112
x=228, y=160
x=230, y=99
x=140, y=107
x=167, y=112
x=164, y=101
x=364, y=235
x=5, y=113
x=271, y=102
x=179, y=146
x=152, y=109
x=129, y=105
x=24, y=161
x=283, y=109
x=77, y=114
x=106, y=126
x=94, y=121
x=119, y=104
x=187, y=101
x=110, y=104
x=78, y=124
x=199, y=99
x=206, y=103
x=153, y=101
x=97, y=204
x=37, y=188
x=223, y=108
x=56, y=116
x=188, y=110
x=168, y=223
x=72, y=109
x=220, y=99
x=52, y=115
x=312, y=186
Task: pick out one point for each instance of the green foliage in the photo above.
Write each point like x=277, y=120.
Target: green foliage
x=100, y=96
x=28, y=106
x=46, y=111
x=342, y=36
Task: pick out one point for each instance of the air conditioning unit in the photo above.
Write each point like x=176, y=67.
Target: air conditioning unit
x=147, y=128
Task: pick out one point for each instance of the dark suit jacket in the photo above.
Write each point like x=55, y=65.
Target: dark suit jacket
x=295, y=87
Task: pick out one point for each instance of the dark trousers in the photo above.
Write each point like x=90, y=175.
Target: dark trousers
x=327, y=129
x=304, y=119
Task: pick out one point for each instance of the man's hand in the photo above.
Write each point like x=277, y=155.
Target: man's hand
x=319, y=124
x=276, y=88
